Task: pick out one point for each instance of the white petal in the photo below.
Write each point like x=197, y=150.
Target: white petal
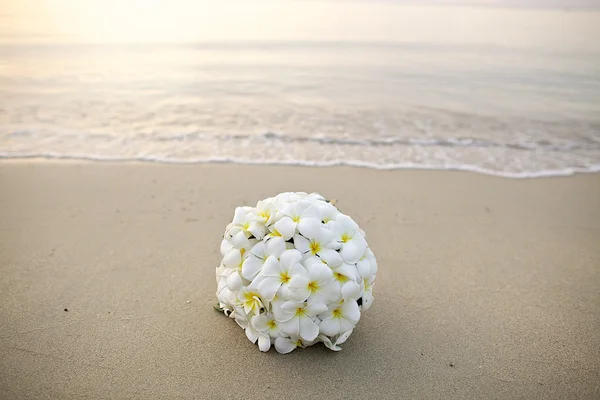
x=284, y=345
x=290, y=258
x=234, y=282
x=327, y=342
x=271, y=267
x=350, y=291
x=364, y=268
x=239, y=240
x=260, y=323
x=232, y=259
x=251, y=334
x=330, y=327
x=290, y=327
x=315, y=308
x=343, y=337
x=308, y=329
x=268, y=287
x=320, y=272
x=349, y=271
x=299, y=287
x=309, y=227
x=350, y=311
x=346, y=325
x=301, y=243
x=258, y=229
x=258, y=249
x=264, y=343
x=353, y=250
x=347, y=222
x=331, y=257
x=330, y=291
x=275, y=247
x=297, y=270
x=226, y=246
x=286, y=227
x=367, y=300
x=251, y=267
x=324, y=237
x=239, y=216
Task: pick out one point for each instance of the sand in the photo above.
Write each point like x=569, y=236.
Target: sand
x=487, y=288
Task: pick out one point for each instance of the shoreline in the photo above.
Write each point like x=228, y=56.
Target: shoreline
x=595, y=169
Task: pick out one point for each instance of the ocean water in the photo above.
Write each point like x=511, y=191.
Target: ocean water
x=509, y=92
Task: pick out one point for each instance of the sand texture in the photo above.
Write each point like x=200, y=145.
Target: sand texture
x=488, y=288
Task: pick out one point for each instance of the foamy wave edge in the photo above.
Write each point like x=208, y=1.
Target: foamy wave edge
x=305, y=163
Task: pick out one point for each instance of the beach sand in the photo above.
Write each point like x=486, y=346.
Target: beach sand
x=488, y=288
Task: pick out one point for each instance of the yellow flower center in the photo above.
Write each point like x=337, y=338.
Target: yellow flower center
x=275, y=232
x=296, y=218
x=313, y=286
x=285, y=278
x=246, y=226
x=315, y=247
x=345, y=237
x=337, y=313
x=340, y=278
x=265, y=214
x=299, y=311
x=272, y=324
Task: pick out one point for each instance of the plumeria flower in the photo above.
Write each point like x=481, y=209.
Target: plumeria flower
x=267, y=328
x=318, y=285
x=246, y=222
x=254, y=335
x=296, y=319
x=335, y=344
x=328, y=212
x=254, y=261
x=277, y=275
x=285, y=345
x=233, y=262
x=301, y=216
x=352, y=242
x=250, y=301
x=367, y=265
x=321, y=245
x=367, y=289
x=265, y=212
x=340, y=319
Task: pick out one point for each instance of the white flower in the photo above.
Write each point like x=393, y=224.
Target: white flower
x=334, y=343
x=367, y=289
x=286, y=345
x=318, y=285
x=302, y=216
x=296, y=319
x=245, y=222
x=265, y=212
x=340, y=319
x=250, y=300
x=321, y=244
x=367, y=265
x=278, y=274
x=346, y=233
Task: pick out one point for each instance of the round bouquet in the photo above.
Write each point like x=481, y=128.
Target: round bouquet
x=295, y=271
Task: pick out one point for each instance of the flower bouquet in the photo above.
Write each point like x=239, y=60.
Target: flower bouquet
x=295, y=271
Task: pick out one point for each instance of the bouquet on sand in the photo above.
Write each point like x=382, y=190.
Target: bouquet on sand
x=295, y=271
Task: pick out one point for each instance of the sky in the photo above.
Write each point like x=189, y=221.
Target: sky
x=158, y=21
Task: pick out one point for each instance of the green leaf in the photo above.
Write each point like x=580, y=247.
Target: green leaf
x=218, y=308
